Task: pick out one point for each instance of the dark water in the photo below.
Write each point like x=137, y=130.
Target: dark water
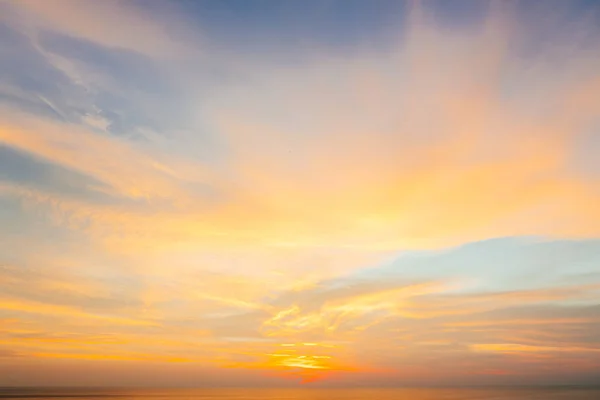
x=307, y=394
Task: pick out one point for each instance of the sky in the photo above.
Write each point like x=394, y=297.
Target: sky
x=282, y=193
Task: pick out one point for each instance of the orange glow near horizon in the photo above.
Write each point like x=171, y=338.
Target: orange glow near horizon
x=310, y=362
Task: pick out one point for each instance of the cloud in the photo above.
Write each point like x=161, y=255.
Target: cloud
x=21, y=168
x=387, y=177
x=328, y=217
x=51, y=286
x=31, y=83
x=360, y=323
x=109, y=23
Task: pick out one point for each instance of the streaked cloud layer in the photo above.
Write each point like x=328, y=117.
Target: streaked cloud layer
x=346, y=192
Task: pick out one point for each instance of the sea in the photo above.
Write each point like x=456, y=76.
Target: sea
x=305, y=394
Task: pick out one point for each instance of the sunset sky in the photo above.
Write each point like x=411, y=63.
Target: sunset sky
x=332, y=192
